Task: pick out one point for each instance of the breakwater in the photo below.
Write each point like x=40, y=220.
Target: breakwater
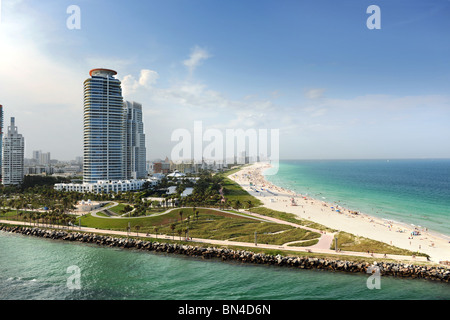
x=436, y=273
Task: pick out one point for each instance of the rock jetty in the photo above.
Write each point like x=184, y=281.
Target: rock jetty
x=436, y=273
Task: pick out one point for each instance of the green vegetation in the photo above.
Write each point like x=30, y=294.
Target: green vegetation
x=290, y=217
x=233, y=171
x=233, y=192
x=208, y=224
x=279, y=238
x=37, y=218
x=350, y=242
x=121, y=208
x=307, y=243
x=33, y=181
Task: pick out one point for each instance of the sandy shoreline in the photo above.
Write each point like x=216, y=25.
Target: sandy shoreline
x=251, y=179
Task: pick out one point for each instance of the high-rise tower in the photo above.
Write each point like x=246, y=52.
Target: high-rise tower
x=104, y=127
x=1, y=134
x=135, y=161
x=12, y=155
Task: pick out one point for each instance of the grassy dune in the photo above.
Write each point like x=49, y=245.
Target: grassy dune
x=210, y=224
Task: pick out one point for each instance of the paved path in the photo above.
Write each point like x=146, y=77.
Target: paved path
x=325, y=239
x=229, y=243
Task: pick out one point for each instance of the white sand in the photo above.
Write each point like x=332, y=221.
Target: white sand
x=437, y=246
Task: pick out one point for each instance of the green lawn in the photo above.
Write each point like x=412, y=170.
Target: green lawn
x=118, y=209
x=307, y=243
x=211, y=224
x=9, y=214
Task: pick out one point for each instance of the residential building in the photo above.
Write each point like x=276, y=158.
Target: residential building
x=104, y=130
x=1, y=134
x=13, y=147
x=135, y=156
x=114, y=156
x=104, y=186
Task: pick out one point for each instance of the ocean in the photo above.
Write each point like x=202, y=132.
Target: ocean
x=415, y=192
x=37, y=269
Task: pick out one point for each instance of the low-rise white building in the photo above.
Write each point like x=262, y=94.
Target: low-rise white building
x=105, y=186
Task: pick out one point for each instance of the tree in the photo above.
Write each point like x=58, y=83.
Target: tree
x=137, y=227
x=237, y=205
x=172, y=227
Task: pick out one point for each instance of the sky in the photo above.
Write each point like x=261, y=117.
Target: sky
x=313, y=70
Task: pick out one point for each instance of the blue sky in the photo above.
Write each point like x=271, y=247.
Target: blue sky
x=311, y=69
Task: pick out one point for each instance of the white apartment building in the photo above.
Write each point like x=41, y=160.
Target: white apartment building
x=13, y=147
x=104, y=186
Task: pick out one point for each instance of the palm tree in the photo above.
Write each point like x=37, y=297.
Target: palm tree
x=237, y=205
x=137, y=227
x=172, y=227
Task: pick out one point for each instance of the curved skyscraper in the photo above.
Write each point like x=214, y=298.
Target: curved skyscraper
x=135, y=161
x=104, y=127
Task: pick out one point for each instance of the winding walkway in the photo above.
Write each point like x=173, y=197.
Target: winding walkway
x=324, y=243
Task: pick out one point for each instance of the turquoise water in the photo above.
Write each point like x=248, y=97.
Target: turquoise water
x=36, y=269
x=409, y=191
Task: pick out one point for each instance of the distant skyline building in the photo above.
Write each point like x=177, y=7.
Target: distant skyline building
x=1, y=134
x=41, y=158
x=104, y=130
x=136, y=154
x=13, y=147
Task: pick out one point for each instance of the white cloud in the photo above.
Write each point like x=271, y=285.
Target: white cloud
x=315, y=93
x=196, y=57
x=147, y=78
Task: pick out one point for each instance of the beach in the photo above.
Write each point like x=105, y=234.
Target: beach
x=251, y=178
